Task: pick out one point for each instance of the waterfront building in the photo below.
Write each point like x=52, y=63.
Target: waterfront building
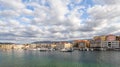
x=103, y=38
x=82, y=43
x=33, y=46
x=97, y=38
x=111, y=42
x=60, y=45
x=53, y=46
x=26, y=46
x=68, y=45
x=110, y=37
x=18, y=46
x=44, y=45
x=7, y=46
x=97, y=41
x=92, y=43
x=11, y=46
x=118, y=38
x=108, y=41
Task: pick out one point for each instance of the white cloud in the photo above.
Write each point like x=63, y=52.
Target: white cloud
x=8, y=14
x=106, y=15
x=54, y=20
x=108, y=2
x=102, y=12
x=24, y=19
x=59, y=8
x=12, y=4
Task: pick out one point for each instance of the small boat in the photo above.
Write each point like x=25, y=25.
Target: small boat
x=43, y=49
x=66, y=50
x=51, y=49
x=34, y=49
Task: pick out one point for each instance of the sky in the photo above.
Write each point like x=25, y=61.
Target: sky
x=24, y=21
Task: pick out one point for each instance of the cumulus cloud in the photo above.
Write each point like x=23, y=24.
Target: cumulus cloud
x=105, y=14
x=33, y=20
x=12, y=4
x=110, y=2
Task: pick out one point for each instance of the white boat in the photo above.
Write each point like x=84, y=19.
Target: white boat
x=51, y=49
x=66, y=50
x=34, y=49
x=43, y=49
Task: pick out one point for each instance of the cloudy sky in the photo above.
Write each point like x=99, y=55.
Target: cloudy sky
x=24, y=21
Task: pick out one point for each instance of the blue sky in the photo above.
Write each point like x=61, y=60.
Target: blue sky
x=24, y=21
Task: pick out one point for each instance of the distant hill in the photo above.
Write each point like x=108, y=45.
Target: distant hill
x=49, y=42
x=39, y=42
x=6, y=43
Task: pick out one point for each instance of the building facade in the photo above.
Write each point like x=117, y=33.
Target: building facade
x=106, y=41
x=110, y=42
x=82, y=43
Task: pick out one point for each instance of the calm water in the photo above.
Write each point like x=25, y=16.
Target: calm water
x=59, y=59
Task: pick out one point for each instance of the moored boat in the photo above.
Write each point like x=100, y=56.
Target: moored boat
x=43, y=49
x=66, y=50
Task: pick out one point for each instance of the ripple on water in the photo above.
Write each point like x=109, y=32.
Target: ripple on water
x=59, y=59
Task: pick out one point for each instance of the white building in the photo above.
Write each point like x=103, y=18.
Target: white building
x=110, y=44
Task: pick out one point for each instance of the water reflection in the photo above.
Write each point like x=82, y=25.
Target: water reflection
x=21, y=58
